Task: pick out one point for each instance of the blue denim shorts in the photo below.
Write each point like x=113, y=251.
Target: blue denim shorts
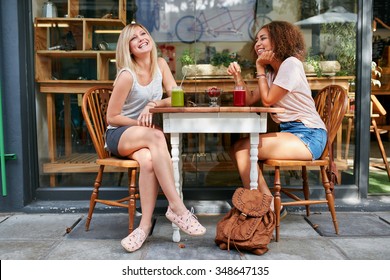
x=112, y=139
x=314, y=138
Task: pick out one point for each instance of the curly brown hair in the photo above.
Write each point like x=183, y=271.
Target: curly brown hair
x=286, y=39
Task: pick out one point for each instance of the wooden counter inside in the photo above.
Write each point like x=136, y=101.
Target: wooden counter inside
x=199, y=85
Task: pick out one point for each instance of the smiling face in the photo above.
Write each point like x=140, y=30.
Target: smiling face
x=262, y=41
x=140, y=41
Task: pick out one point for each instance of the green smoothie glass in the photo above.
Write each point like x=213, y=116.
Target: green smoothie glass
x=177, y=98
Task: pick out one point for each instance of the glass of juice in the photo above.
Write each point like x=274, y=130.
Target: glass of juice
x=213, y=93
x=177, y=97
x=239, y=96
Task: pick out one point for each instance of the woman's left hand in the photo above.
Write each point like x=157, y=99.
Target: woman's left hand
x=145, y=118
x=265, y=58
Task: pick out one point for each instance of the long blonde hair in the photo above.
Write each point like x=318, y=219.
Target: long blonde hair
x=124, y=59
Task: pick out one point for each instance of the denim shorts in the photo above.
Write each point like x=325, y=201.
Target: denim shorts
x=314, y=138
x=112, y=139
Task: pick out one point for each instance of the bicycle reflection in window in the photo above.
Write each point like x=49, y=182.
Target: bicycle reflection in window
x=190, y=29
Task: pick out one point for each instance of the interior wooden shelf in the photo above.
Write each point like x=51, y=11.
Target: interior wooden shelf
x=70, y=86
x=75, y=53
x=92, y=21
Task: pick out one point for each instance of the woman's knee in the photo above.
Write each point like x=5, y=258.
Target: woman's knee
x=157, y=137
x=144, y=159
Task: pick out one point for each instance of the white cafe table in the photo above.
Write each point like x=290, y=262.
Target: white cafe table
x=179, y=120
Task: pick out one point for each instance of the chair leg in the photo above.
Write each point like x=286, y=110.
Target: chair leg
x=329, y=198
x=132, y=173
x=94, y=196
x=348, y=139
x=306, y=192
x=381, y=147
x=277, y=201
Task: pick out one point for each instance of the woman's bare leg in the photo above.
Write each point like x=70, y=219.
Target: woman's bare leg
x=272, y=145
x=148, y=188
x=149, y=147
x=138, y=137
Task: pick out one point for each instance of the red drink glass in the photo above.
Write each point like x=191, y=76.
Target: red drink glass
x=239, y=96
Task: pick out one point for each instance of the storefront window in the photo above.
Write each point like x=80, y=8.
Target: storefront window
x=198, y=38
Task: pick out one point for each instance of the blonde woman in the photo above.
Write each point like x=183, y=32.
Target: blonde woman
x=138, y=86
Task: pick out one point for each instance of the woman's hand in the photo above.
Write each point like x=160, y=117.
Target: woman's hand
x=265, y=58
x=146, y=118
x=234, y=70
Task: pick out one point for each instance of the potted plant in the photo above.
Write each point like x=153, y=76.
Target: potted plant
x=317, y=65
x=187, y=58
x=341, y=38
x=217, y=66
x=223, y=58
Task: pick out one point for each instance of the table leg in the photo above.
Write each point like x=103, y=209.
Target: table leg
x=176, y=163
x=254, y=141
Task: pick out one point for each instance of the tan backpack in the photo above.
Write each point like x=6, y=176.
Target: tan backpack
x=249, y=225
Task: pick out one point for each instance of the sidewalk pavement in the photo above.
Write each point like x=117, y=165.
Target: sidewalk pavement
x=61, y=236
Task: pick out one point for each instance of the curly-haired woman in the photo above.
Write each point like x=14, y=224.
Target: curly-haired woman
x=282, y=82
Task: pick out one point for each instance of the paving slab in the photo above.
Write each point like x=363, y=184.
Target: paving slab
x=350, y=224
x=32, y=236
x=103, y=226
x=3, y=217
x=300, y=249
x=384, y=216
x=368, y=248
x=37, y=226
x=92, y=249
x=295, y=225
x=26, y=249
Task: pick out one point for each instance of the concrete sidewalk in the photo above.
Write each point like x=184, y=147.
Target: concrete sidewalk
x=61, y=236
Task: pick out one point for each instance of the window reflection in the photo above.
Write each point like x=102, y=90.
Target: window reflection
x=195, y=33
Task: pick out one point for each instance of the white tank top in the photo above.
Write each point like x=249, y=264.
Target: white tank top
x=140, y=95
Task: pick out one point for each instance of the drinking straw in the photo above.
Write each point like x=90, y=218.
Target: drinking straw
x=184, y=75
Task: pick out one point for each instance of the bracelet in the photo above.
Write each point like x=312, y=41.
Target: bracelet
x=258, y=76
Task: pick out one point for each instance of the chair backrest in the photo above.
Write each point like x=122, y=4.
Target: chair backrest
x=94, y=109
x=331, y=104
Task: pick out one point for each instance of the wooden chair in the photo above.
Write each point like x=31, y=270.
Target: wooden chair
x=94, y=109
x=377, y=111
x=331, y=103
